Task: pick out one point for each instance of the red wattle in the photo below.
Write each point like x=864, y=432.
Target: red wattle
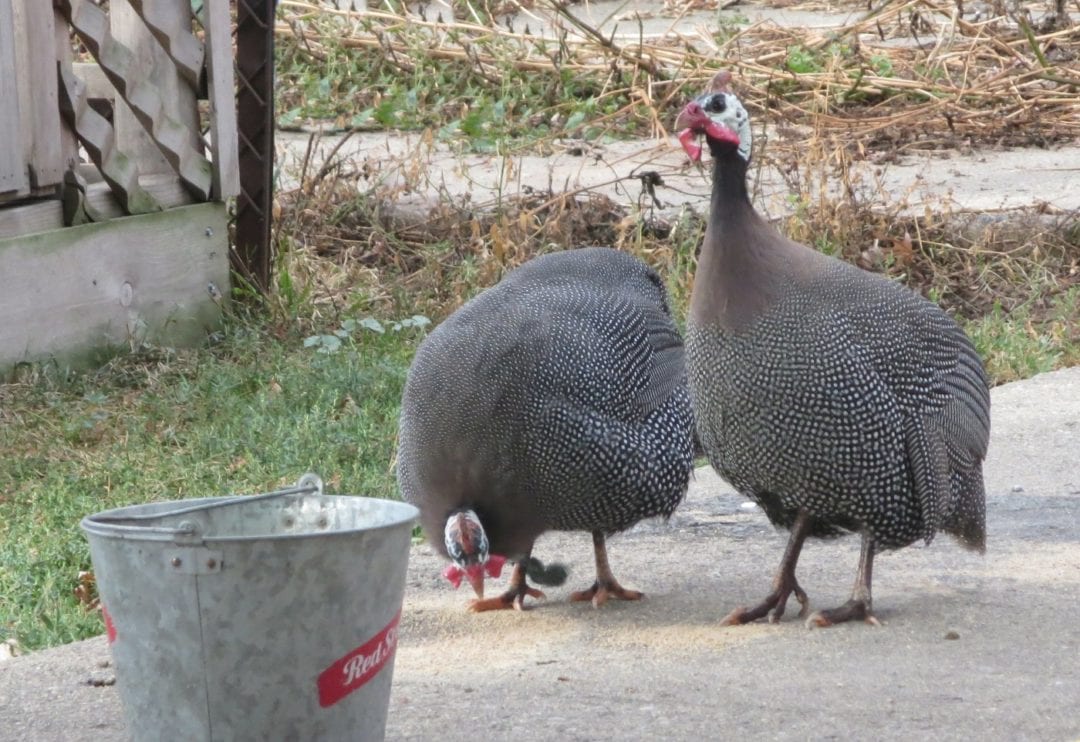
x=724, y=134
x=494, y=565
x=453, y=574
x=686, y=139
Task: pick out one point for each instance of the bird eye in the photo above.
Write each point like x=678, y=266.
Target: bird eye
x=715, y=104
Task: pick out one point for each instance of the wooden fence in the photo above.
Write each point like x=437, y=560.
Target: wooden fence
x=118, y=151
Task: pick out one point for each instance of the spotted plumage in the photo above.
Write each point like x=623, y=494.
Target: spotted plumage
x=838, y=400
x=555, y=400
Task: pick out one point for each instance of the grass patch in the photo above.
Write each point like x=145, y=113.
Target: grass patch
x=248, y=415
x=479, y=94
x=1039, y=336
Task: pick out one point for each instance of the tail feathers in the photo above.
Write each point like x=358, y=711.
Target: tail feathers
x=967, y=519
x=929, y=459
x=551, y=575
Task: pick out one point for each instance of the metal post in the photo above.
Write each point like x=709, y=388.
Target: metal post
x=255, y=124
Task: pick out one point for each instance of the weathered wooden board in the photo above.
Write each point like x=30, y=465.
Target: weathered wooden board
x=158, y=106
x=166, y=189
x=38, y=216
x=159, y=102
x=219, y=63
x=69, y=145
x=97, y=84
x=98, y=138
x=36, y=73
x=13, y=175
x=73, y=292
x=41, y=216
x=172, y=30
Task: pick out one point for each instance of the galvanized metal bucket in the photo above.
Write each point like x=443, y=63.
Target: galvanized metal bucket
x=271, y=617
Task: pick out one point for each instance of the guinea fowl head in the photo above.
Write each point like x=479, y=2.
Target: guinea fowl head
x=718, y=116
x=467, y=544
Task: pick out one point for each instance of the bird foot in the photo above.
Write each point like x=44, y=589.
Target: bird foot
x=510, y=599
x=601, y=591
x=773, y=606
x=852, y=610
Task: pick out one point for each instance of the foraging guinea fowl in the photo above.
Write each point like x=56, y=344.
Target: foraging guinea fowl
x=555, y=400
x=836, y=399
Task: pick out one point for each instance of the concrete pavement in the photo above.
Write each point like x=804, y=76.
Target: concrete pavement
x=972, y=646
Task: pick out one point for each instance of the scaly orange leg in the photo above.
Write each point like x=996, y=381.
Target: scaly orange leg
x=514, y=597
x=605, y=586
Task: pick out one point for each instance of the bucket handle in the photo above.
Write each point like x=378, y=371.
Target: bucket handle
x=308, y=484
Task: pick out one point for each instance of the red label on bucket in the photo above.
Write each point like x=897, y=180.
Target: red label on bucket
x=110, y=627
x=359, y=666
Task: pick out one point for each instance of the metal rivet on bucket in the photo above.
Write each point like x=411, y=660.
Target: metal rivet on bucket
x=254, y=617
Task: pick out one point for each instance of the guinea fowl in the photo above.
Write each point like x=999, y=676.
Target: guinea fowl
x=555, y=400
x=836, y=399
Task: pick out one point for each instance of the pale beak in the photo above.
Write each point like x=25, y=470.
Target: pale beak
x=475, y=575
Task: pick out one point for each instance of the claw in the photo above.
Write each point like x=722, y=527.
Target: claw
x=605, y=586
x=804, y=601
x=599, y=593
x=736, y=618
x=514, y=597
x=509, y=599
x=773, y=606
x=784, y=584
x=852, y=610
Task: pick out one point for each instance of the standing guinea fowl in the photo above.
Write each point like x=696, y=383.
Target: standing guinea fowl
x=836, y=399
x=555, y=400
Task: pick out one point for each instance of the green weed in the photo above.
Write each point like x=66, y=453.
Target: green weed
x=801, y=60
x=729, y=25
x=1018, y=344
x=881, y=65
x=477, y=98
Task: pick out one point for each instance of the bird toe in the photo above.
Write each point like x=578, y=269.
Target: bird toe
x=735, y=618
x=599, y=594
x=853, y=610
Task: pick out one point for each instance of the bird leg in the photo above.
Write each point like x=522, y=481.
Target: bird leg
x=859, y=606
x=605, y=586
x=784, y=584
x=514, y=597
